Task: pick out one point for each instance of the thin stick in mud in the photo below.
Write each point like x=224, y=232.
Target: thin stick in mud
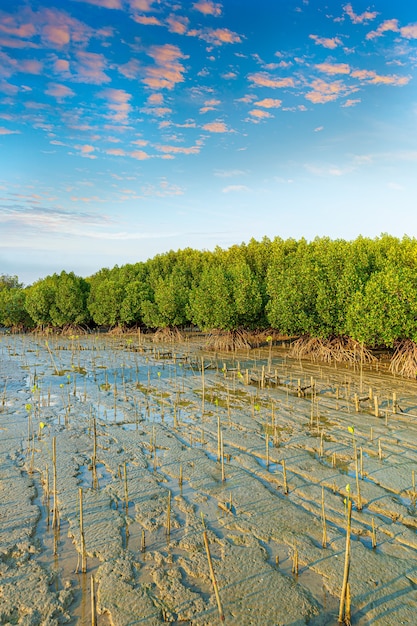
x=343, y=595
x=213, y=577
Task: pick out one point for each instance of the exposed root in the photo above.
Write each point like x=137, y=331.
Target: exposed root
x=262, y=338
x=335, y=349
x=404, y=359
x=164, y=335
x=228, y=341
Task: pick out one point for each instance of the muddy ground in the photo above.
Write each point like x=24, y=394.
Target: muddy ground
x=243, y=447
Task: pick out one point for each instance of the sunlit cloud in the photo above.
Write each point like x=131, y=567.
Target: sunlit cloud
x=216, y=127
x=387, y=26
x=118, y=104
x=326, y=42
x=86, y=150
x=207, y=7
x=210, y=105
x=60, y=92
x=178, y=25
x=139, y=155
x=171, y=150
x=147, y=20
x=323, y=91
x=359, y=19
x=262, y=79
x=409, y=32
x=333, y=68
x=168, y=71
x=371, y=77
x=116, y=152
x=131, y=69
x=89, y=68
x=106, y=4
x=260, y=113
x=141, y=5
x=216, y=36
x=351, y=102
x=268, y=103
x=8, y=131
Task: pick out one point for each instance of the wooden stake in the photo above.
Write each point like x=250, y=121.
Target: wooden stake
x=222, y=456
x=82, y=536
x=343, y=594
x=284, y=472
x=55, y=514
x=323, y=520
x=373, y=534
x=213, y=577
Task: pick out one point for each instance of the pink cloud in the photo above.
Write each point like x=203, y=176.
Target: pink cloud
x=370, y=76
x=131, y=69
x=178, y=25
x=118, y=104
x=262, y=79
x=7, y=131
x=157, y=111
x=90, y=67
x=107, y=4
x=140, y=155
x=260, y=114
x=217, y=36
x=333, y=68
x=269, y=103
x=208, y=8
x=326, y=42
x=351, y=102
x=147, y=20
x=59, y=91
x=141, y=5
x=30, y=66
x=388, y=25
x=325, y=92
x=409, y=32
x=86, y=151
x=216, y=127
x=359, y=19
x=116, y=152
x=155, y=99
x=179, y=150
x=61, y=65
x=168, y=71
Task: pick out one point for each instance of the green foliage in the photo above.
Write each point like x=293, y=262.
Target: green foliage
x=226, y=298
x=13, y=308
x=386, y=309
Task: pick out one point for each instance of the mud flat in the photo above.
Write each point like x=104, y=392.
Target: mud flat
x=166, y=443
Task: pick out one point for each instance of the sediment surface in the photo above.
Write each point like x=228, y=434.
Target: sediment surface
x=167, y=442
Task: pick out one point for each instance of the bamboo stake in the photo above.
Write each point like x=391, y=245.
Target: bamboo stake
x=82, y=536
x=284, y=472
x=358, y=490
x=168, y=523
x=213, y=577
x=343, y=594
x=222, y=456
x=323, y=520
x=55, y=514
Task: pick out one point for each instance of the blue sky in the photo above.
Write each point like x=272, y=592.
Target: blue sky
x=132, y=127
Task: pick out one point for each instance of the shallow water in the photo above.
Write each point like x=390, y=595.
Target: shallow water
x=152, y=418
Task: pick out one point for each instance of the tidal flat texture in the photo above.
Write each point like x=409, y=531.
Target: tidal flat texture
x=159, y=446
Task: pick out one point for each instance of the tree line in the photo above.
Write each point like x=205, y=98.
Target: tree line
x=365, y=289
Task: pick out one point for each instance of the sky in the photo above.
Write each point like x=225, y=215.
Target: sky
x=129, y=128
